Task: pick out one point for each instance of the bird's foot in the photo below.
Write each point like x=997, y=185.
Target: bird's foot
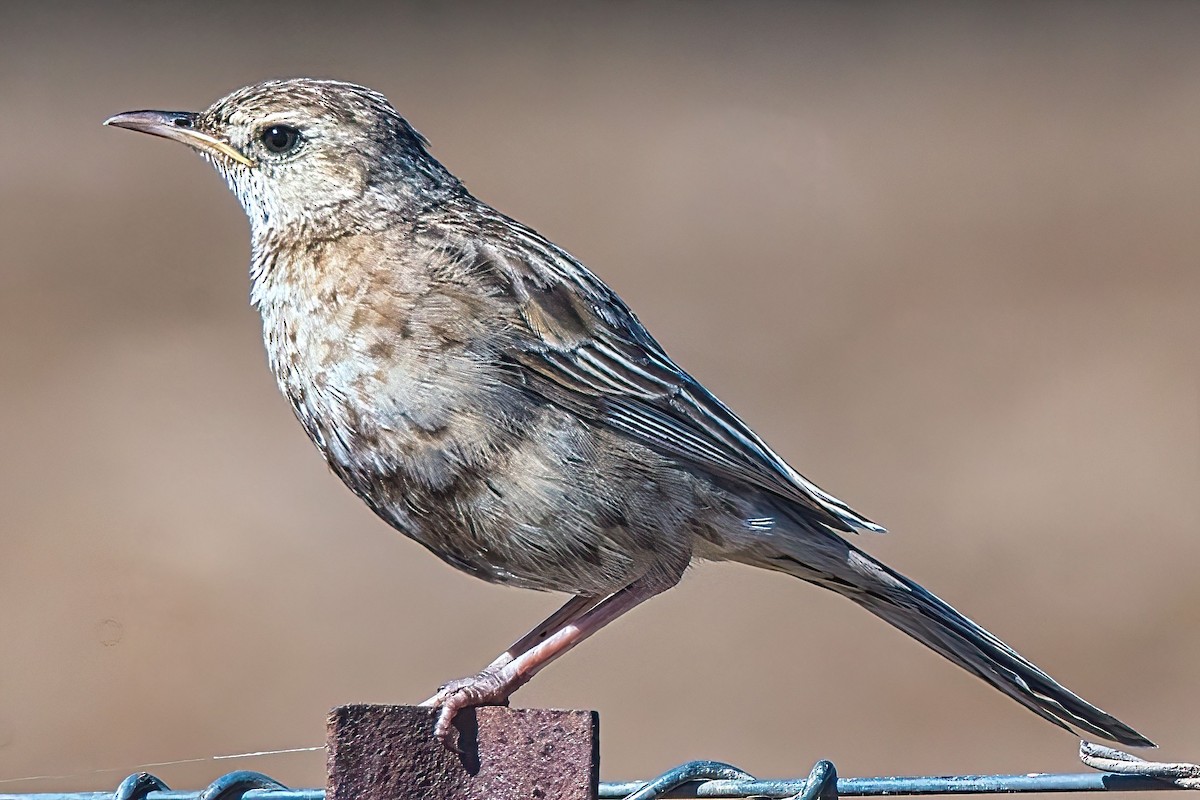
x=491, y=687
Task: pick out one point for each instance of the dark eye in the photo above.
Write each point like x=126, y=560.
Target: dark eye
x=280, y=138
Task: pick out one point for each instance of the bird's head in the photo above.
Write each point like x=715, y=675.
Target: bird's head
x=311, y=157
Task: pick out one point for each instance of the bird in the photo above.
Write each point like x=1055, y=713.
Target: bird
x=491, y=398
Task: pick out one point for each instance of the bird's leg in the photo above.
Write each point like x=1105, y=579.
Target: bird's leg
x=572, y=609
x=575, y=621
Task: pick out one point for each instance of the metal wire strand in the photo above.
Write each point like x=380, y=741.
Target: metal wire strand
x=235, y=785
x=137, y=786
x=1121, y=772
x=821, y=783
x=687, y=773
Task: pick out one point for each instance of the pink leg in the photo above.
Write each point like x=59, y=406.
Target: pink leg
x=572, y=609
x=570, y=625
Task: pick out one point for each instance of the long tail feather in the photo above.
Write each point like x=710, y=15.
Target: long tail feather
x=837, y=565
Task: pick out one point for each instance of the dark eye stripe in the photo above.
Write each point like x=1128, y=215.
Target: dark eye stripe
x=280, y=138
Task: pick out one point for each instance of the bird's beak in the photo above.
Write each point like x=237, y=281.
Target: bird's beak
x=180, y=126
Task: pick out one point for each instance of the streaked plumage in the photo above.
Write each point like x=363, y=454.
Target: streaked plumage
x=493, y=399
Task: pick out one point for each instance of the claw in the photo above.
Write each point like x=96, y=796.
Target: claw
x=488, y=688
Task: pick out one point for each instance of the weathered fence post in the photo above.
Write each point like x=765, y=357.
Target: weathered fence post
x=389, y=753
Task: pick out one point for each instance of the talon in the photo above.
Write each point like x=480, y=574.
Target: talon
x=485, y=689
x=442, y=728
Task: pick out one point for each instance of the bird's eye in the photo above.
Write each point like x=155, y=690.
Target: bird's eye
x=280, y=138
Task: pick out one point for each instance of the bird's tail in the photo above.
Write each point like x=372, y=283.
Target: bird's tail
x=827, y=560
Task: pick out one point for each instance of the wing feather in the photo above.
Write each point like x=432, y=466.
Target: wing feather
x=582, y=348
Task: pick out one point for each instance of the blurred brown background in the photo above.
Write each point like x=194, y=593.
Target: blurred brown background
x=943, y=257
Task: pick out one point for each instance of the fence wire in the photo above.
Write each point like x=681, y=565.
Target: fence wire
x=1116, y=772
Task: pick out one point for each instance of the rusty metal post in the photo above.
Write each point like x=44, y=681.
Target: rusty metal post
x=389, y=753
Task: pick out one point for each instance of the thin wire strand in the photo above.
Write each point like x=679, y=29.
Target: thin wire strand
x=141, y=767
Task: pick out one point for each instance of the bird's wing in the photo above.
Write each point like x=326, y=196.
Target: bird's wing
x=582, y=348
